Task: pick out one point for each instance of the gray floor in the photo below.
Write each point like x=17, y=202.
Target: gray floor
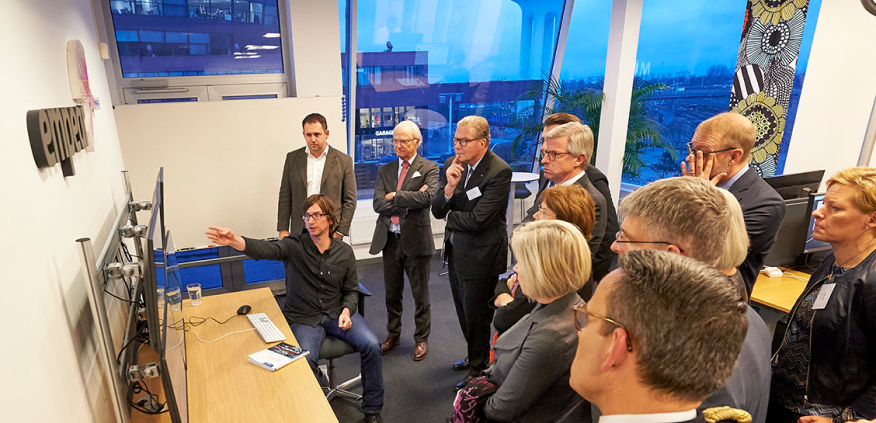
x=414, y=391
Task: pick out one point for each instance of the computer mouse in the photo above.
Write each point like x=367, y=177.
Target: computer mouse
x=244, y=309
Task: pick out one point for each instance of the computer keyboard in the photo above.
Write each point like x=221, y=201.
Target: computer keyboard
x=265, y=327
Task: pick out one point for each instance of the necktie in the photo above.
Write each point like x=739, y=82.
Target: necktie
x=401, y=179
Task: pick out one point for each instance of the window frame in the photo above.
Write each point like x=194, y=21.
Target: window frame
x=171, y=87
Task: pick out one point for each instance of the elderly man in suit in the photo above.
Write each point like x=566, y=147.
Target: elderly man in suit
x=316, y=169
x=661, y=333
x=474, y=199
x=719, y=152
x=566, y=153
x=403, y=195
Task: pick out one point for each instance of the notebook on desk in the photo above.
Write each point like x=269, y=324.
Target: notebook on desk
x=277, y=357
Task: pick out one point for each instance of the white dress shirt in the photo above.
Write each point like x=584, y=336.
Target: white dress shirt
x=392, y=226
x=682, y=416
x=315, y=168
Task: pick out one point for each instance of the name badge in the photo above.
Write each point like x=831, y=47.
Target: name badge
x=823, y=296
x=473, y=193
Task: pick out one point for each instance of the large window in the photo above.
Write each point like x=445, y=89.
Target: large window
x=686, y=61
x=197, y=50
x=436, y=62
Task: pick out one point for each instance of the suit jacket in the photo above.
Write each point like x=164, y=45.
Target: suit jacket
x=598, y=200
x=748, y=388
x=763, y=210
x=338, y=184
x=604, y=256
x=480, y=237
x=410, y=204
x=533, y=361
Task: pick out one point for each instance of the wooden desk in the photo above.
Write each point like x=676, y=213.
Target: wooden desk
x=779, y=293
x=224, y=387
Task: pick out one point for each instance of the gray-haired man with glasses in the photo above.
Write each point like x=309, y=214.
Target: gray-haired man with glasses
x=719, y=152
x=402, y=195
x=474, y=199
x=661, y=333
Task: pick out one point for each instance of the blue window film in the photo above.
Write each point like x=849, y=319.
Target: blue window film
x=263, y=271
x=176, y=37
x=195, y=37
x=152, y=36
x=124, y=36
x=196, y=49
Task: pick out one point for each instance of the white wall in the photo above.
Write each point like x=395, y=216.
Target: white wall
x=49, y=360
x=838, y=91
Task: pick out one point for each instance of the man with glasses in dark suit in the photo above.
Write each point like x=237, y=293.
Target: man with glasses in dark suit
x=474, y=199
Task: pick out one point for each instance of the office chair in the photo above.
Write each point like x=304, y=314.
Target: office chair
x=333, y=348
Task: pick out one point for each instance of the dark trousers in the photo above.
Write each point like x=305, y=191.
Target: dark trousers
x=471, y=296
x=395, y=265
x=359, y=336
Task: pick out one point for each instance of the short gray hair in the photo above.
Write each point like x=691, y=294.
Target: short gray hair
x=411, y=127
x=580, y=139
x=686, y=323
x=565, y=269
x=685, y=211
x=479, y=124
x=736, y=240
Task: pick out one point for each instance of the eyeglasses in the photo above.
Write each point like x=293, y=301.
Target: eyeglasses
x=581, y=316
x=692, y=150
x=316, y=217
x=620, y=234
x=464, y=141
x=401, y=141
x=552, y=154
x=545, y=213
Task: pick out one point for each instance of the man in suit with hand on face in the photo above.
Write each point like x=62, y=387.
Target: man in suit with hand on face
x=474, y=199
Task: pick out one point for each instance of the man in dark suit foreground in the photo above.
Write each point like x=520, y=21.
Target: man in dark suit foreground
x=402, y=195
x=474, y=199
x=661, y=333
x=719, y=152
x=316, y=169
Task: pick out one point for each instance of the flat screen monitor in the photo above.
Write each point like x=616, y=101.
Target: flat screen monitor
x=792, y=234
x=153, y=264
x=813, y=245
x=796, y=185
x=173, y=364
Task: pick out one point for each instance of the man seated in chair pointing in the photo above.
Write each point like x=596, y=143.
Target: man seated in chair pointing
x=321, y=292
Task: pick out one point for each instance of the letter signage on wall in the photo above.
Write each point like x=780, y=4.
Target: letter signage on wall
x=55, y=135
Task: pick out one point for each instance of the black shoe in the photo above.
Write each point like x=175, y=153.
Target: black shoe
x=463, y=382
x=461, y=365
x=372, y=418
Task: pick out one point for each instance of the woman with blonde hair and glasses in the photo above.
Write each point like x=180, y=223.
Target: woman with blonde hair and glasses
x=825, y=368
x=534, y=357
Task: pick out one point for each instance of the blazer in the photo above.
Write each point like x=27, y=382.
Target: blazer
x=338, y=184
x=410, y=204
x=604, y=255
x=748, y=388
x=763, y=209
x=533, y=362
x=480, y=237
x=598, y=200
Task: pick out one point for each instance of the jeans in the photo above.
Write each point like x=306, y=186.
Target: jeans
x=362, y=339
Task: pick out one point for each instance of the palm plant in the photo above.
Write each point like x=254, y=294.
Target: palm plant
x=586, y=103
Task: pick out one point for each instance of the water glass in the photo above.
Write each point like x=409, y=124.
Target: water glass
x=194, y=290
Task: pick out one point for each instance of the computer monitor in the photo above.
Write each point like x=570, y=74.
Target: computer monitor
x=796, y=185
x=791, y=238
x=814, y=245
x=153, y=264
x=173, y=366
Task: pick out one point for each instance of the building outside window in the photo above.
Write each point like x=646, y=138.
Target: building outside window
x=437, y=62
